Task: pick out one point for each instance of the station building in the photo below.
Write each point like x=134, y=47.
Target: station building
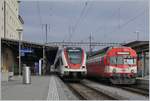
x=10, y=23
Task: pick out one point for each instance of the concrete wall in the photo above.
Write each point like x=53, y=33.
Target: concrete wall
x=8, y=61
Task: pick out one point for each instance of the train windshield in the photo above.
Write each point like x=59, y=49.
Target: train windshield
x=75, y=56
x=122, y=60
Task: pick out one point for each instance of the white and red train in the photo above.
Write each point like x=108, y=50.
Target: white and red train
x=70, y=63
x=117, y=64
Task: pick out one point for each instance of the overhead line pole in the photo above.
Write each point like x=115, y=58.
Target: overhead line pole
x=90, y=46
x=46, y=33
x=44, y=49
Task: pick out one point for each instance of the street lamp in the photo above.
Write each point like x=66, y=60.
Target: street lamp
x=19, y=32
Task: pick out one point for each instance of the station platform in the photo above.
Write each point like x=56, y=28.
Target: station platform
x=41, y=88
x=143, y=82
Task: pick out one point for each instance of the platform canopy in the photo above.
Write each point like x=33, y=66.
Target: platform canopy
x=139, y=46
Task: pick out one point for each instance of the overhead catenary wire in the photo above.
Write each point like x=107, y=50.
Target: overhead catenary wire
x=84, y=13
x=81, y=14
x=98, y=28
x=129, y=21
x=132, y=19
x=73, y=28
x=119, y=18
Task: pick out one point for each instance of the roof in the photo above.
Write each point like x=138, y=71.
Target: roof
x=136, y=43
x=25, y=43
x=99, y=51
x=139, y=46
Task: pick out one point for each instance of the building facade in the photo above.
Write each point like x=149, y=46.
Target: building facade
x=10, y=23
x=10, y=19
x=1, y=18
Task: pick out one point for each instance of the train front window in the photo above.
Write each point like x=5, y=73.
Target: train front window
x=129, y=61
x=122, y=60
x=113, y=60
x=75, y=57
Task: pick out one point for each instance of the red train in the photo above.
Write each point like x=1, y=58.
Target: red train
x=118, y=64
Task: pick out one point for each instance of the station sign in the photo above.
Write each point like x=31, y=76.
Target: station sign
x=22, y=54
x=26, y=50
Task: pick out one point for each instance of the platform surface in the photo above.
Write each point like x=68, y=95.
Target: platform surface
x=16, y=90
x=143, y=82
x=41, y=88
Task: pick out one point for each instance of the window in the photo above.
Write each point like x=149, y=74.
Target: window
x=75, y=55
x=122, y=60
x=113, y=60
x=129, y=61
x=119, y=60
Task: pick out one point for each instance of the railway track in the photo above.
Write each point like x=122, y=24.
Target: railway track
x=119, y=92
x=130, y=88
x=88, y=93
x=136, y=90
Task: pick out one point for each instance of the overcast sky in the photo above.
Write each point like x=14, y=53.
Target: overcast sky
x=108, y=21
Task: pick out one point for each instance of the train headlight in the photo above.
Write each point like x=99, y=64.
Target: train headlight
x=114, y=70
x=66, y=66
x=132, y=71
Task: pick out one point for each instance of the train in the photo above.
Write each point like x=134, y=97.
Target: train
x=115, y=64
x=70, y=63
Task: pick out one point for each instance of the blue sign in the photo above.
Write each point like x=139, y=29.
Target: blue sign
x=22, y=54
x=26, y=50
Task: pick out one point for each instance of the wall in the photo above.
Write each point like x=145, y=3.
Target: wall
x=8, y=61
x=9, y=23
x=1, y=18
x=10, y=18
x=12, y=21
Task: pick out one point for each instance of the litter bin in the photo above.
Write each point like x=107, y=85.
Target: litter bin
x=26, y=75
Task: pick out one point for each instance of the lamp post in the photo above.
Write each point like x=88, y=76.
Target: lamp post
x=19, y=32
x=137, y=35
